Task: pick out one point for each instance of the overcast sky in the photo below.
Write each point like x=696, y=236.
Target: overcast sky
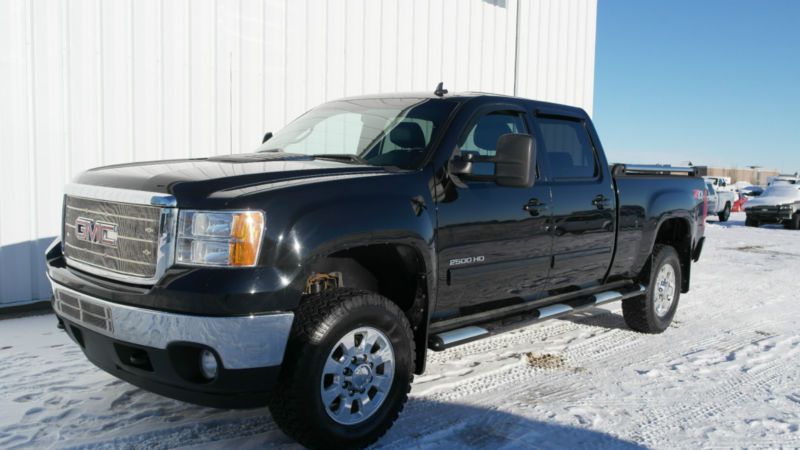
x=713, y=82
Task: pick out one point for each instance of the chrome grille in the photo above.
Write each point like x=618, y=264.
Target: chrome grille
x=137, y=231
x=83, y=311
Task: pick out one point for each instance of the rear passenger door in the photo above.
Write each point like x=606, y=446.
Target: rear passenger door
x=584, y=204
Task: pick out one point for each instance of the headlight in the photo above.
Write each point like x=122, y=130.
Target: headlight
x=786, y=207
x=219, y=238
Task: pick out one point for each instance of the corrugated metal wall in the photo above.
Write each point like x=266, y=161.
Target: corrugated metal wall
x=85, y=83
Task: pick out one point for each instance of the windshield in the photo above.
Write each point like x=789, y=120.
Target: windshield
x=377, y=131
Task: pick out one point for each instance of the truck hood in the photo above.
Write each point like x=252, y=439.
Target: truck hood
x=776, y=195
x=195, y=179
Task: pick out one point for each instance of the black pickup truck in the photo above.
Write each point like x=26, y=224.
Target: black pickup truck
x=313, y=275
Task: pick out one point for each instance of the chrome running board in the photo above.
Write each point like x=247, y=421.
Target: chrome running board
x=452, y=337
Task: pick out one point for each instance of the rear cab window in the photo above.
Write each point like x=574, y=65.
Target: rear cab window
x=568, y=149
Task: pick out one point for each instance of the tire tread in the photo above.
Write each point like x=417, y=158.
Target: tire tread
x=315, y=310
x=636, y=310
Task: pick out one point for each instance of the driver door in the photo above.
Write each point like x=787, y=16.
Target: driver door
x=494, y=241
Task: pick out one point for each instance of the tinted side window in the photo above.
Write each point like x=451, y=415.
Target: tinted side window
x=568, y=148
x=482, y=138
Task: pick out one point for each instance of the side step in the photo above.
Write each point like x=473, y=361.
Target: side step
x=452, y=338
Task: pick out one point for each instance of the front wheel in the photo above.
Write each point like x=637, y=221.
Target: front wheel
x=725, y=214
x=347, y=370
x=793, y=223
x=748, y=222
x=653, y=311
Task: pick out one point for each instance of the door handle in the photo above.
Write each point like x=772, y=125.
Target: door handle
x=533, y=206
x=601, y=201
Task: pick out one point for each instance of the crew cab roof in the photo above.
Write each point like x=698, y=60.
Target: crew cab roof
x=548, y=107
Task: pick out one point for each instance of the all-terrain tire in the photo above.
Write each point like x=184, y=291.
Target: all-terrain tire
x=640, y=313
x=725, y=214
x=748, y=222
x=321, y=320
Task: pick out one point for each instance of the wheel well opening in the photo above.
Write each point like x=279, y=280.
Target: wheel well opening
x=390, y=270
x=394, y=271
x=677, y=234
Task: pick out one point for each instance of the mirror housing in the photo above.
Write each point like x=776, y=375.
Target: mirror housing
x=267, y=136
x=514, y=160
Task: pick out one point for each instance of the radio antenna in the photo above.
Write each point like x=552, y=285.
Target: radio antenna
x=440, y=90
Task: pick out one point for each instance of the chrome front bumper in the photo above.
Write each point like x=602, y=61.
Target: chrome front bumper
x=241, y=342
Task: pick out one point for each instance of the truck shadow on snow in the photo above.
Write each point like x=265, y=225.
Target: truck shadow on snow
x=425, y=424
x=598, y=317
x=433, y=424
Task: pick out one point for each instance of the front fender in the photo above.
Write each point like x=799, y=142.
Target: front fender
x=362, y=213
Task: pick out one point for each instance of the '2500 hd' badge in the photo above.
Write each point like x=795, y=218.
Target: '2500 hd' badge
x=467, y=260
x=96, y=231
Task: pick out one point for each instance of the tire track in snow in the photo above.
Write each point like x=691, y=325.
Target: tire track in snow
x=655, y=423
x=617, y=343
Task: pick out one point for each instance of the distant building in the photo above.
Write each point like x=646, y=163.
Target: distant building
x=86, y=84
x=751, y=176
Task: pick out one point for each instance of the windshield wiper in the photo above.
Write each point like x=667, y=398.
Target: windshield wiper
x=341, y=156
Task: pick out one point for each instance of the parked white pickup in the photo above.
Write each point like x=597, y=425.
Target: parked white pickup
x=720, y=202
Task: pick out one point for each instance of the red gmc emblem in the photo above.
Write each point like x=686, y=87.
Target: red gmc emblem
x=96, y=232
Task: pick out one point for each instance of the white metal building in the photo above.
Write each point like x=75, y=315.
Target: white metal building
x=85, y=83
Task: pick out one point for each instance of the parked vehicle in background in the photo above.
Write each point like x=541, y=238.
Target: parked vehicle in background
x=314, y=274
x=719, y=183
x=739, y=185
x=780, y=203
x=751, y=191
x=783, y=179
x=745, y=192
x=720, y=203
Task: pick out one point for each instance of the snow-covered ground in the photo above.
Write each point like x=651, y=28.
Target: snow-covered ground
x=726, y=374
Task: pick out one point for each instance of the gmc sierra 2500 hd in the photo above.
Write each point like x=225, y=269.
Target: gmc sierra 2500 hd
x=313, y=275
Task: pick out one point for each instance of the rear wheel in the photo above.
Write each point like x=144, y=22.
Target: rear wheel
x=347, y=371
x=653, y=311
x=749, y=222
x=725, y=214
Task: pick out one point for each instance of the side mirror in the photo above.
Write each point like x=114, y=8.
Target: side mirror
x=514, y=161
x=267, y=136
